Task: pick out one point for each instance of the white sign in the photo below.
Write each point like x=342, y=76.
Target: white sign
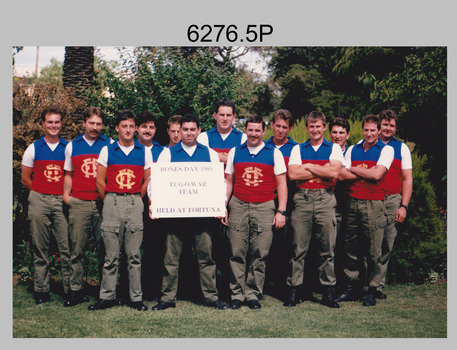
x=187, y=189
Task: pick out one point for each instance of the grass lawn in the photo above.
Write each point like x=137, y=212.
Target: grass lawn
x=409, y=312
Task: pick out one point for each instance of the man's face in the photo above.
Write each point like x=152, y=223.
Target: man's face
x=93, y=127
x=146, y=132
x=224, y=119
x=339, y=135
x=254, y=133
x=52, y=124
x=280, y=130
x=388, y=129
x=189, y=133
x=174, y=133
x=316, y=130
x=370, y=133
x=126, y=130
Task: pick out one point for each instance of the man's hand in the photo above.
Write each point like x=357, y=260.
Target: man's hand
x=400, y=216
x=66, y=198
x=279, y=221
x=224, y=219
x=150, y=213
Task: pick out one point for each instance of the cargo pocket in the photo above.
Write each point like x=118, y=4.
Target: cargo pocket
x=110, y=229
x=381, y=222
x=135, y=227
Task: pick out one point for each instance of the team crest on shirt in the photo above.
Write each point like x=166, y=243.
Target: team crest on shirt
x=125, y=179
x=53, y=173
x=89, y=167
x=252, y=175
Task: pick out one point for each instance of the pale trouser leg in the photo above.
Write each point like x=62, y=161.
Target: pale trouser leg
x=325, y=229
x=84, y=217
x=260, y=237
x=364, y=234
x=392, y=204
x=238, y=234
x=46, y=217
x=174, y=242
x=203, y=246
x=302, y=223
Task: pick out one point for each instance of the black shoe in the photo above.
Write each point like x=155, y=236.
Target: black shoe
x=218, y=305
x=370, y=300
x=102, y=304
x=162, y=305
x=350, y=294
x=303, y=294
x=42, y=297
x=292, y=299
x=236, y=304
x=139, y=306
x=379, y=295
x=328, y=298
x=119, y=301
x=75, y=298
x=253, y=304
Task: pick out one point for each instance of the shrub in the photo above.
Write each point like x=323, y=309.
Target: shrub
x=421, y=244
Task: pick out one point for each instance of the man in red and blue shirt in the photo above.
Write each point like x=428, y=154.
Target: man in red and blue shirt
x=124, y=168
x=281, y=247
x=339, y=132
x=252, y=172
x=314, y=165
x=398, y=187
x=83, y=200
x=367, y=163
x=43, y=175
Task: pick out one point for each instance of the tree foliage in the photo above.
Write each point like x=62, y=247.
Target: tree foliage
x=421, y=244
x=419, y=95
x=168, y=82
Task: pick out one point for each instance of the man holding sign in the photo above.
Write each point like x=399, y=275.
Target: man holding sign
x=200, y=229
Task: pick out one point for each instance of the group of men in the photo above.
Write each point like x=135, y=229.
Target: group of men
x=317, y=189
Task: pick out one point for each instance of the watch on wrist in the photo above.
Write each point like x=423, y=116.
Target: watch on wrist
x=404, y=206
x=282, y=212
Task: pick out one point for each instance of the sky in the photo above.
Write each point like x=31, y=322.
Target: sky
x=27, y=56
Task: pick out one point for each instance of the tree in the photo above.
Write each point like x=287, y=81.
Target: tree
x=52, y=73
x=419, y=96
x=166, y=81
x=78, y=69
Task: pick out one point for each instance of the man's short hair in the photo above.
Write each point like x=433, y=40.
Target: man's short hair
x=256, y=119
x=51, y=109
x=283, y=114
x=125, y=115
x=388, y=114
x=91, y=111
x=371, y=118
x=190, y=118
x=340, y=122
x=226, y=103
x=314, y=116
x=176, y=119
x=145, y=117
